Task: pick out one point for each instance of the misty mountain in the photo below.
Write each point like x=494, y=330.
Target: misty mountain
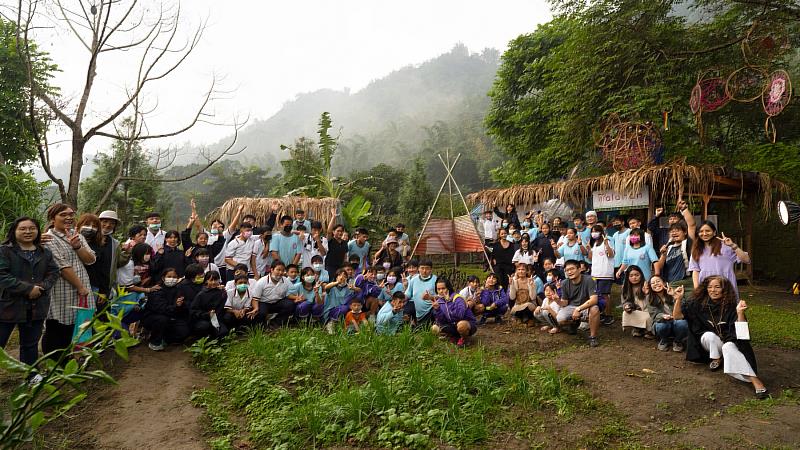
x=385, y=121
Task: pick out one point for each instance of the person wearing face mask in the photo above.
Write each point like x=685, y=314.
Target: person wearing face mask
x=300, y=219
x=155, y=236
x=88, y=226
x=509, y=216
x=388, y=254
x=638, y=253
x=307, y=297
x=318, y=265
x=135, y=277
x=240, y=251
x=601, y=256
x=674, y=256
x=238, y=303
x=293, y=274
x=248, y=221
x=191, y=284
x=335, y=305
x=420, y=292
x=615, y=226
x=391, y=284
x=208, y=308
x=269, y=296
x=166, y=314
x=286, y=246
x=239, y=270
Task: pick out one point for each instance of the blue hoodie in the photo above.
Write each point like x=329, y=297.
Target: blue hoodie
x=388, y=321
x=416, y=288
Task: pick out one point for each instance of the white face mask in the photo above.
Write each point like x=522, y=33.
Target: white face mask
x=169, y=282
x=317, y=267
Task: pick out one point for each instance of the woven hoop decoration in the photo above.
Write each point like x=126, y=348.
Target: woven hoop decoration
x=777, y=93
x=629, y=145
x=712, y=94
x=764, y=42
x=745, y=84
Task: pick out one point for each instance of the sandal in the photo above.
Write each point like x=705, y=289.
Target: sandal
x=762, y=394
x=714, y=365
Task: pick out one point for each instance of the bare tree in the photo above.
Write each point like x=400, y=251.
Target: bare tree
x=147, y=34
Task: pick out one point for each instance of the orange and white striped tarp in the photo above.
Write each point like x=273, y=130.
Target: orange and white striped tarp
x=439, y=239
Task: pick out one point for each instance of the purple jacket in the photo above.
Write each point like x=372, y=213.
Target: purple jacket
x=368, y=288
x=498, y=296
x=453, y=311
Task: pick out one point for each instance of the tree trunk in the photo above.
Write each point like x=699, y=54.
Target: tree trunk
x=78, y=144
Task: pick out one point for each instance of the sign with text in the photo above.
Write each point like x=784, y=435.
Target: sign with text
x=603, y=200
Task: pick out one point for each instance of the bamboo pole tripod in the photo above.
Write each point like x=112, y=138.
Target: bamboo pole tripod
x=450, y=181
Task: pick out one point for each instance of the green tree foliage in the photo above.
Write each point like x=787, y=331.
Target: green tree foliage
x=415, y=195
x=634, y=58
x=20, y=195
x=131, y=199
x=17, y=142
x=380, y=186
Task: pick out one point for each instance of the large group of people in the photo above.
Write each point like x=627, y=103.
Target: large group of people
x=677, y=284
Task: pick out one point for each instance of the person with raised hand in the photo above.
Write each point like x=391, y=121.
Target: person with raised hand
x=661, y=305
x=72, y=253
x=712, y=315
x=28, y=272
x=390, y=317
x=453, y=317
x=715, y=254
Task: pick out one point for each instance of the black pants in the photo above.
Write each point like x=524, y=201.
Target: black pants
x=284, y=309
x=422, y=322
x=232, y=322
x=524, y=315
x=204, y=328
x=503, y=271
x=29, y=334
x=163, y=328
x=57, y=336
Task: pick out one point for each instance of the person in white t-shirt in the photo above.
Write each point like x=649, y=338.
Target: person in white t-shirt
x=314, y=243
x=490, y=227
x=601, y=256
x=155, y=235
x=240, y=251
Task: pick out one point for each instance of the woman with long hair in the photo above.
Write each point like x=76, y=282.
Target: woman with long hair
x=634, y=303
x=712, y=314
x=662, y=310
x=713, y=254
x=27, y=274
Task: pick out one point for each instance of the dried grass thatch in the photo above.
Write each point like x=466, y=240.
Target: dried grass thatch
x=315, y=208
x=666, y=182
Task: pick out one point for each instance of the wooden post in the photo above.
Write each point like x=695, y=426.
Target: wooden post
x=452, y=214
x=430, y=212
x=750, y=202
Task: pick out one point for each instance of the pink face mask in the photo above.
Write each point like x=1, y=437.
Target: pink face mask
x=635, y=239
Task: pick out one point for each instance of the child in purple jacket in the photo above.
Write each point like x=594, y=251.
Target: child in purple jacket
x=494, y=300
x=453, y=317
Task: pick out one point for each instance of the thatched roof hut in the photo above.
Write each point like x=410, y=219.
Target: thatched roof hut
x=315, y=208
x=666, y=182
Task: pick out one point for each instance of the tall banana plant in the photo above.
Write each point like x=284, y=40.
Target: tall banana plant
x=355, y=211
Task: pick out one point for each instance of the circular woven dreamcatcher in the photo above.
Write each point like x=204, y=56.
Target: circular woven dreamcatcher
x=745, y=84
x=776, y=96
x=764, y=41
x=628, y=145
x=708, y=95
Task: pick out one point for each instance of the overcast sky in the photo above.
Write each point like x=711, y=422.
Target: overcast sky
x=270, y=51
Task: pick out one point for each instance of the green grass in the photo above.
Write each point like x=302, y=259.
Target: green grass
x=772, y=326
x=302, y=388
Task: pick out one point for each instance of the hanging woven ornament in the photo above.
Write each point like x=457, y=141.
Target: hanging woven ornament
x=708, y=95
x=777, y=95
x=745, y=84
x=764, y=42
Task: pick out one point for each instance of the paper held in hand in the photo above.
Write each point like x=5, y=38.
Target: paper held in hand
x=742, y=331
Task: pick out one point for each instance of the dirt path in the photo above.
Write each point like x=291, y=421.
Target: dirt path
x=149, y=408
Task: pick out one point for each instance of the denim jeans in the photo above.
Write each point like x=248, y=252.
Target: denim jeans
x=29, y=334
x=676, y=330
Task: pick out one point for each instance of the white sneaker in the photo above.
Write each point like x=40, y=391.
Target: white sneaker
x=36, y=379
x=156, y=347
x=583, y=326
x=330, y=328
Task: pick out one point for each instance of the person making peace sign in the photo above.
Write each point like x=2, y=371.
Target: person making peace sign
x=715, y=255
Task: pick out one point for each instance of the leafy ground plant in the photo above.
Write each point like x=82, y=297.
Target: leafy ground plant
x=62, y=373
x=302, y=388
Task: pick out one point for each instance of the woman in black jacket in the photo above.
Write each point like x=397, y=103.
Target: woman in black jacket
x=165, y=313
x=27, y=273
x=208, y=308
x=712, y=314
